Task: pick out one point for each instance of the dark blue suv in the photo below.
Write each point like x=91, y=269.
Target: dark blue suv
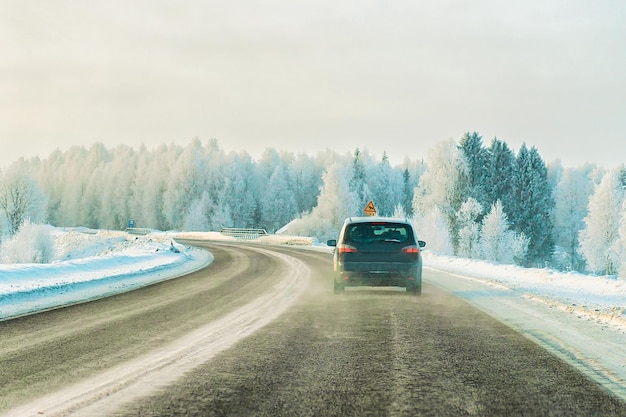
x=377, y=251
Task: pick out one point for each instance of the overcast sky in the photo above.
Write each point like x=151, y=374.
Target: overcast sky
x=304, y=76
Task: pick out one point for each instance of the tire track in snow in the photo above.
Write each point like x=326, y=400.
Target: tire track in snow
x=103, y=394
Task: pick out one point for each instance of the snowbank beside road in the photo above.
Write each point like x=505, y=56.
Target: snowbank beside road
x=602, y=299
x=578, y=317
x=93, y=264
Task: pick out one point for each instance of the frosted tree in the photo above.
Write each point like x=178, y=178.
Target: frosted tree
x=207, y=214
x=266, y=165
x=620, y=245
x=399, y=212
x=533, y=204
x=432, y=227
x=386, y=186
x=117, y=194
x=186, y=183
x=93, y=195
x=242, y=189
x=471, y=145
x=196, y=219
x=97, y=159
x=469, y=228
x=497, y=242
x=407, y=192
x=51, y=185
x=307, y=179
x=335, y=203
x=152, y=176
x=220, y=215
x=571, y=197
x=278, y=205
x=492, y=239
x=76, y=171
x=33, y=243
x=443, y=185
x=499, y=173
x=74, y=182
x=358, y=181
x=601, y=231
x=412, y=171
x=21, y=198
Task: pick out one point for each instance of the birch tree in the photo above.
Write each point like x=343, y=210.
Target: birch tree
x=498, y=243
x=602, y=223
x=335, y=203
x=469, y=228
x=571, y=197
x=20, y=198
x=443, y=185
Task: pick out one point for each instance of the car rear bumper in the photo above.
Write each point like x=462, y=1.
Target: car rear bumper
x=400, y=274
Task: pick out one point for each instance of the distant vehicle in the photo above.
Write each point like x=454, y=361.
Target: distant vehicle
x=377, y=251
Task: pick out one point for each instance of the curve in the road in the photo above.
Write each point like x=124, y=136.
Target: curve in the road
x=104, y=392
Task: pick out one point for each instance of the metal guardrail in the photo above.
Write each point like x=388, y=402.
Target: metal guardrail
x=242, y=233
x=138, y=231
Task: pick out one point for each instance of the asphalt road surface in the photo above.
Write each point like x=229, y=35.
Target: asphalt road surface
x=368, y=352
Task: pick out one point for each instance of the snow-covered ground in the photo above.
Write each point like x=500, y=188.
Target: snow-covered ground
x=580, y=318
x=91, y=264
x=602, y=299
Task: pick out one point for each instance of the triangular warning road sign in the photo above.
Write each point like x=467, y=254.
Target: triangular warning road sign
x=370, y=210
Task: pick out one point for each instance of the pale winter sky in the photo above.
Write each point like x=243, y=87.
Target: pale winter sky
x=304, y=76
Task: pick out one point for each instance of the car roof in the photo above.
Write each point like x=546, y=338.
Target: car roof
x=369, y=219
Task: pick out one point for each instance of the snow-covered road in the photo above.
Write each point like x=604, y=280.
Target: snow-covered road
x=579, y=317
x=588, y=343
x=105, y=392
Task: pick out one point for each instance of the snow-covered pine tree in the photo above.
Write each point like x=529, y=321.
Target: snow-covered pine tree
x=500, y=168
x=602, y=223
x=307, y=177
x=358, y=181
x=531, y=210
x=386, y=186
x=471, y=145
x=407, y=193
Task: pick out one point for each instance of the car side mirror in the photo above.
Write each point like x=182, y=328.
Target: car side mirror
x=421, y=243
x=332, y=242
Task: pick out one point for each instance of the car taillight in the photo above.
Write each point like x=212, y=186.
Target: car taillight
x=346, y=249
x=411, y=249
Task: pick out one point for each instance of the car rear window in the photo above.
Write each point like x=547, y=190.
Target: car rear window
x=377, y=232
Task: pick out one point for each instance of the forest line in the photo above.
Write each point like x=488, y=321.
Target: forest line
x=466, y=198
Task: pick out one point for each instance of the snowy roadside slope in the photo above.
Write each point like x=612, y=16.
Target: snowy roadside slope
x=600, y=299
x=578, y=317
x=93, y=264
